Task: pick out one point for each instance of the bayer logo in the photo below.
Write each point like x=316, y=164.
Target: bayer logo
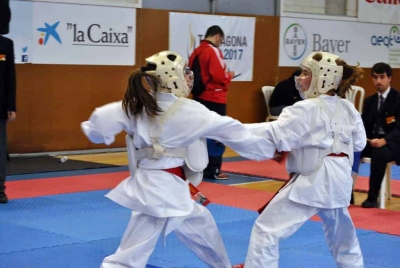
x=295, y=41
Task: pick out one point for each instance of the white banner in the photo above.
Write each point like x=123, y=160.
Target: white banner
x=355, y=42
x=187, y=30
x=79, y=34
x=378, y=11
x=21, y=30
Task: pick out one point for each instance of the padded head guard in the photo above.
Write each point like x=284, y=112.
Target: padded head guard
x=326, y=74
x=171, y=69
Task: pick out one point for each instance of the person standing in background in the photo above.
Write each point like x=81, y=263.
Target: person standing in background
x=216, y=79
x=7, y=92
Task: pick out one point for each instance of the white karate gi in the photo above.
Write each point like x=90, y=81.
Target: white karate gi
x=161, y=201
x=326, y=192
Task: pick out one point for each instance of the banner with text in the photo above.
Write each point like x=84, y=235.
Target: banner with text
x=80, y=34
x=378, y=11
x=21, y=30
x=187, y=30
x=355, y=42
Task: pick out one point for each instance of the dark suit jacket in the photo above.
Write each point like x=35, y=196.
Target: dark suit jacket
x=285, y=94
x=389, y=118
x=7, y=77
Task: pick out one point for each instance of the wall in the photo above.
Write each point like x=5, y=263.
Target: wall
x=251, y=7
x=327, y=7
x=53, y=100
x=120, y=3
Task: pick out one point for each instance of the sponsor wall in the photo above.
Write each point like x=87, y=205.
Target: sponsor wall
x=187, y=30
x=366, y=43
x=54, y=33
x=21, y=30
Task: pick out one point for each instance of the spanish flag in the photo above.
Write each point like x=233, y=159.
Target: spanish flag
x=2, y=57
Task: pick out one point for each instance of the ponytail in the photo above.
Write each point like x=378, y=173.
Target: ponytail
x=351, y=75
x=141, y=93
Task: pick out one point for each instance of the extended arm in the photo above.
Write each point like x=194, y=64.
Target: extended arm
x=237, y=136
x=105, y=122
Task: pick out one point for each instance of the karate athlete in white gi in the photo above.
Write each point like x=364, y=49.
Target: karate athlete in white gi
x=320, y=133
x=166, y=135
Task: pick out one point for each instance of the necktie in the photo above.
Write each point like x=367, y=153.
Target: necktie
x=377, y=128
x=380, y=101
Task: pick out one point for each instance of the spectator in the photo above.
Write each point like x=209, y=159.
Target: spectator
x=216, y=79
x=381, y=117
x=284, y=94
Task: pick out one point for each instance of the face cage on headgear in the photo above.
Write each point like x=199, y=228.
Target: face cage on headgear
x=189, y=75
x=297, y=84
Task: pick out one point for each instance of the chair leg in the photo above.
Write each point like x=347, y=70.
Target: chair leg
x=382, y=192
x=389, y=182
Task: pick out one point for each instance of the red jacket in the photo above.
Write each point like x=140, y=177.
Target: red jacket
x=213, y=72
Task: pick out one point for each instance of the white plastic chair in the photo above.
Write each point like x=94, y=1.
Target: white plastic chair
x=267, y=92
x=351, y=95
x=386, y=186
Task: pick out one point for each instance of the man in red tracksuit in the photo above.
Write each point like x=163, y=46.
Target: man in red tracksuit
x=216, y=79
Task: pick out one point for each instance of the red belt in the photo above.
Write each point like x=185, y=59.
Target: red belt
x=338, y=155
x=178, y=171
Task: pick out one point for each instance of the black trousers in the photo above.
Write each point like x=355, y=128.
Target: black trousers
x=215, y=148
x=3, y=153
x=379, y=159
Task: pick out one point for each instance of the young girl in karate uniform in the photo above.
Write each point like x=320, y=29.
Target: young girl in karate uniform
x=166, y=138
x=321, y=134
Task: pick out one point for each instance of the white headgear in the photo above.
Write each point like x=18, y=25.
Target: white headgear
x=326, y=74
x=170, y=68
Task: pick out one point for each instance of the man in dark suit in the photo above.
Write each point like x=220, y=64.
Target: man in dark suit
x=381, y=119
x=284, y=94
x=7, y=94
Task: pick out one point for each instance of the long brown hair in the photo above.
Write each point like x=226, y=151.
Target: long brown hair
x=351, y=75
x=140, y=93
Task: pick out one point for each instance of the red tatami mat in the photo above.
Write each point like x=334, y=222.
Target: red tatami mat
x=63, y=185
x=384, y=221
x=273, y=170
x=379, y=220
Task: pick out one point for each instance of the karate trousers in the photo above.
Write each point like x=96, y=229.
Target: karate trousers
x=198, y=231
x=283, y=217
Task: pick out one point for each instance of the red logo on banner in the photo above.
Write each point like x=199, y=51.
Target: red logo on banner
x=387, y=2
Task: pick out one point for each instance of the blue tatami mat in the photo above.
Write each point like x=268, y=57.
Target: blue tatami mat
x=364, y=170
x=80, y=229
